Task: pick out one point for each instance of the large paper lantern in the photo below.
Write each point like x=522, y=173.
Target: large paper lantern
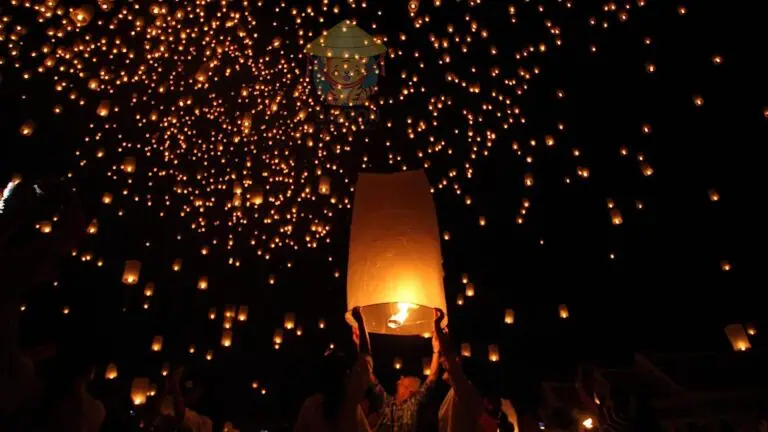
x=346, y=65
x=395, y=269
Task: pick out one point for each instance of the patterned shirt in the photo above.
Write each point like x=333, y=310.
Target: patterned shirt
x=399, y=417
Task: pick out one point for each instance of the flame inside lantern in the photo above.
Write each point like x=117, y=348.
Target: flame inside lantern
x=399, y=318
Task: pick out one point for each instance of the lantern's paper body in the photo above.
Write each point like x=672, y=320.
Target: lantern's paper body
x=394, y=253
x=345, y=68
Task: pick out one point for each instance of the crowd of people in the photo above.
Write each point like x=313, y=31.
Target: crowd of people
x=352, y=400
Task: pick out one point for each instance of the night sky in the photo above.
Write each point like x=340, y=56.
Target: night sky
x=655, y=109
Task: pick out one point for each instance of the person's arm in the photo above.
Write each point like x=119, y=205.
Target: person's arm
x=434, y=367
x=361, y=336
x=464, y=391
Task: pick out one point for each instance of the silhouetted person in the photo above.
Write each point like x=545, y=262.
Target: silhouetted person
x=77, y=410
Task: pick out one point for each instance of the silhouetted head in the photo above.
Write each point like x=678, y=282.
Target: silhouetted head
x=406, y=387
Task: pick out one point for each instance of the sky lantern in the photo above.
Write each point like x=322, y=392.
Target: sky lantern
x=738, y=337
x=290, y=321
x=509, y=316
x=397, y=363
x=177, y=264
x=139, y=390
x=345, y=64
x=82, y=15
x=493, y=353
x=202, y=283
x=466, y=350
x=563, y=311
x=93, y=227
x=111, y=372
x=324, y=186
x=395, y=269
x=242, y=313
x=157, y=343
x=226, y=338
x=104, y=107
x=129, y=164
x=131, y=272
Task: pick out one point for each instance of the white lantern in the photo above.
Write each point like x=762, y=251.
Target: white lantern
x=111, y=372
x=139, y=390
x=395, y=269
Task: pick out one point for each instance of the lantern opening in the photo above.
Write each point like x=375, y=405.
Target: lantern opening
x=397, y=320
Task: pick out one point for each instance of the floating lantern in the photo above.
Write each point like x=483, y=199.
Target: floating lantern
x=209, y=355
x=464, y=278
x=111, y=372
x=413, y=6
x=202, y=283
x=45, y=227
x=528, y=179
x=131, y=272
x=493, y=353
x=321, y=323
x=255, y=384
x=713, y=195
x=176, y=264
x=93, y=227
x=509, y=316
x=27, y=128
x=395, y=266
x=398, y=363
x=299, y=330
x=107, y=198
x=229, y=311
x=738, y=337
x=212, y=313
x=129, y=164
x=157, y=343
x=563, y=309
x=290, y=321
x=616, y=216
x=459, y=299
x=226, y=338
x=278, y=337
x=345, y=69
x=242, y=313
x=324, y=187
x=104, y=107
x=192, y=349
x=165, y=369
x=426, y=365
x=469, y=290
x=227, y=322
x=149, y=289
x=751, y=330
x=139, y=390
x=725, y=265
x=466, y=349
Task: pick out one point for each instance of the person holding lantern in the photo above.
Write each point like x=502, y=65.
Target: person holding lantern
x=399, y=412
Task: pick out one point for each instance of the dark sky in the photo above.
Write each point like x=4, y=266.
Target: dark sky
x=664, y=291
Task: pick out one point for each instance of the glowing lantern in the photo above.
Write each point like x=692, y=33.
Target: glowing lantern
x=398, y=363
x=466, y=350
x=395, y=266
x=426, y=363
x=176, y=264
x=299, y=330
x=242, y=313
x=107, y=198
x=413, y=6
x=226, y=338
x=321, y=323
x=27, y=128
x=509, y=316
x=45, y=227
x=93, y=227
x=255, y=384
x=129, y=164
x=209, y=355
x=278, y=337
x=616, y=216
x=157, y=343
x=345, y=68
x=82, y=15
x=111, y=372
x=104, y=107
x=227, y=322
x=469, y=290
x=192, y=349
x=149, y=289
x=464, y=278
x=290, y=321
x=165, y=369
x=131, y=272
x=229, y=311
x=324, y=187
x=563, y=309
x=459, y=299
x=139, y=390
x=751, y=330
x=725, y=265
x=202, y=283
x=257, y=197
x=738, y=337
x=528, y=179
x=212, y=313
x=493, y=353
x=713, y=195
